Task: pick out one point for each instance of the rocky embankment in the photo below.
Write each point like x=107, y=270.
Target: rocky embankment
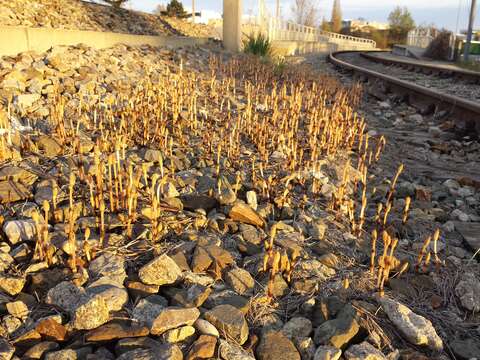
x=82, y=15
x=160, y=204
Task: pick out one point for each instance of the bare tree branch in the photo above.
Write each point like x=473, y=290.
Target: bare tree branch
x=305, y=12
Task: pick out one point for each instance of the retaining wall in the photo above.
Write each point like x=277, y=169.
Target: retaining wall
x=17, y=39
x=287, y=48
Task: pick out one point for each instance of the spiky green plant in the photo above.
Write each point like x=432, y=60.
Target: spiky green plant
x=259, y=45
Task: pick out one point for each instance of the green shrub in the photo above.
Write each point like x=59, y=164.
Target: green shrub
x=439, y=48
x=175, y=9
x=258, y=45
x=380, y=37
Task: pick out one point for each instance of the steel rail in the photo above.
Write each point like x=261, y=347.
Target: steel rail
x=465, y=113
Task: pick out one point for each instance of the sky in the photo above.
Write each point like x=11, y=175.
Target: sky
x=442, y=13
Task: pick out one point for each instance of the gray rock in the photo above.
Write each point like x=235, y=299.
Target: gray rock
x=339, y=331
x=66, y=296
x=38, y=350
x=114, y=294
x=6, y=350
x=227, y=195
x=90, y=313
x=6, y=260
x=275, y=345
x=457, y=214
x=163, y=352
x=69, y=354
x=11, y=324
x=206, y=328
x=228, y=351
x=129, y=344
x=168, y=190
x=297, y=327
x=330, y=260
x=404, y=189
x=451, y=184
x=313, y=268
x=18, y=309
x=468, y=291
x=19, y=230
x=415, y=328
x=363, y=351
x=153, y=155
x=160, y=271
x=466, y=348
x=173, y=317
x=109, y=265
x=25, y=101
x=384, y=105
x=305, y=346
x=147, y=309
x=327, y=353
x=416, y=118
x=179, y=334
x=470, y=233
x=318, y=229
x=252, y=199
x=240, y=280
x=229, y=321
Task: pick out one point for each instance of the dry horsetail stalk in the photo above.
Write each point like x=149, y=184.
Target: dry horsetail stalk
x=38, y=253
x=406, y=209
x=394, y=183
x=86, y=245
x=373, y=251
x=436, y=236
x=389, y=263
x=71, y=185
x=422, y=252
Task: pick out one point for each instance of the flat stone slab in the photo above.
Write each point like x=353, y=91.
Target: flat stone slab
x=470, y=233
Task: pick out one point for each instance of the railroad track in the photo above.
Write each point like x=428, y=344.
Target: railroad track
x=451, y=100
x=472, y=77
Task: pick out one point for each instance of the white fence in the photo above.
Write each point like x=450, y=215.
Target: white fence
x=306, y=39
x=278, y=30
x=421, y=37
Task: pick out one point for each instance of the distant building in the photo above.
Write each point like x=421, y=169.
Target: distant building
x=363, y=25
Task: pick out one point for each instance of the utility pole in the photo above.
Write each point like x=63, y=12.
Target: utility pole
x=471, y=20
x=193, y=11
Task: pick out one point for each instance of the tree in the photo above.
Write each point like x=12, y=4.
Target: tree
x=325, y=25
x=336, y=17
x=175, y=8
x=116, y=3
x=401, y=22
x=305, y=12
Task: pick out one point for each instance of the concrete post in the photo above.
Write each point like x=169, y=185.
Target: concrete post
x=232, y=25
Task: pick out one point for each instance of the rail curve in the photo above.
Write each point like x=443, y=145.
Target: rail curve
x=465, y=113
